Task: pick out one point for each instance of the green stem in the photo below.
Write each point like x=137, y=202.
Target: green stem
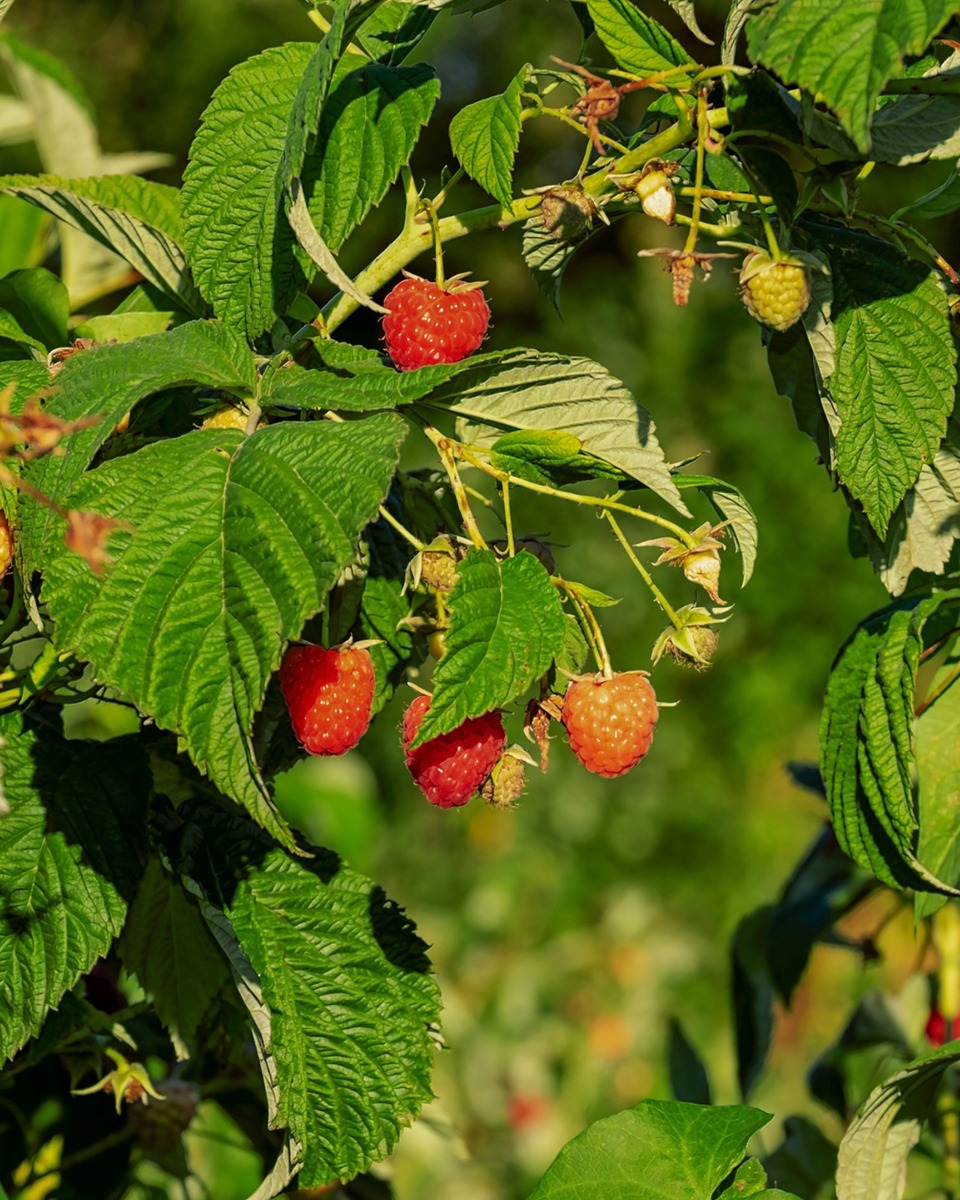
x=413, y=241
x=591, y=630
x=702, y=130
x=507, y=518
x=468, y=455
x=400, y=528
x=449, y=462
x=643, y=572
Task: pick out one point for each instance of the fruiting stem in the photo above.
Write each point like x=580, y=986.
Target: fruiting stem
x=775, y=252
x=441, y=197
x=591, y=630
x=507, y=519
x=437, y=241
x=449, y=462
x=643, y=572
x=718, y=194
x=715, y=231
x=405, y=533
x=411, y=242
x=592, y=501
x=702, y=130
x=411, y=198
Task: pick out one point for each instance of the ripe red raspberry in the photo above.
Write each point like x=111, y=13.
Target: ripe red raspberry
x=430, y=324
x=329, y=694
x=448, y=769
x=936, y=1028
x=610, y=721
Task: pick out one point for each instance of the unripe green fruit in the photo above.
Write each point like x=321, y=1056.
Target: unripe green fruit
x=776, y=292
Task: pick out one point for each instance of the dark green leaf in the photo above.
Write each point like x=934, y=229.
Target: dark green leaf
x=68, y=864
x=866, y=738
x=895, y=368
x=237, y=541
x=169, y=948
x=485, y=136
x=393, y=31
x=506, y=628
x=38, y=302
x=844, y=51
x=938, y=776
x=805, y=1161
x=688, y=1076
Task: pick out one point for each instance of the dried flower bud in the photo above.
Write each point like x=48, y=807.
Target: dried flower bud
x=567, y=213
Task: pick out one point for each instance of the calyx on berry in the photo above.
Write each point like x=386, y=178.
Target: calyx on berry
x=435, y=566
x=691, y=642
x=505, y=784
x=127, y=1082
x=700, y=561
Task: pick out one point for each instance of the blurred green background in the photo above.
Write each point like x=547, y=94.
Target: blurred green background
x=565, y=934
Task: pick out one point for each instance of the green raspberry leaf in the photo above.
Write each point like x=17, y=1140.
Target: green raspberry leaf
x=135, y=218
x=35, y=302
x=872, y=1163
x=937, y=732
x=867, y=741
x=894, y=372
x=506, y=628
x=236, y=542
x=844, y=51
x=63, y=894
x=338, y=985
x=637, y=42
x=109, y=381
x=657, y=1150
x=485, y=137
x=241, y=247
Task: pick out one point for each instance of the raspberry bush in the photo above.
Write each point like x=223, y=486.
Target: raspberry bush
x=227, y=512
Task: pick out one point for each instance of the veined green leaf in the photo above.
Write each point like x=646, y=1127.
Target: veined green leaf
x=529, y=390
x=937, y=203
x=867, y=743
x=872, y=1163
x=135, y=218
x=658, y=1150
x=304, y=119
x=844, y=51
x=107, y=382
x=339, y=989
x=393, y=31
x=895, y=368
x=485, y=137
x=63, y=895
x=506, y=628
x=241, y=247
x=235, y=543
x=938, y=792
x=240, y=250
x=348, y=985
x=637, y=42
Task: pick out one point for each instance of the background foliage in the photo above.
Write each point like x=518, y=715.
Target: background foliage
x=566, y=938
